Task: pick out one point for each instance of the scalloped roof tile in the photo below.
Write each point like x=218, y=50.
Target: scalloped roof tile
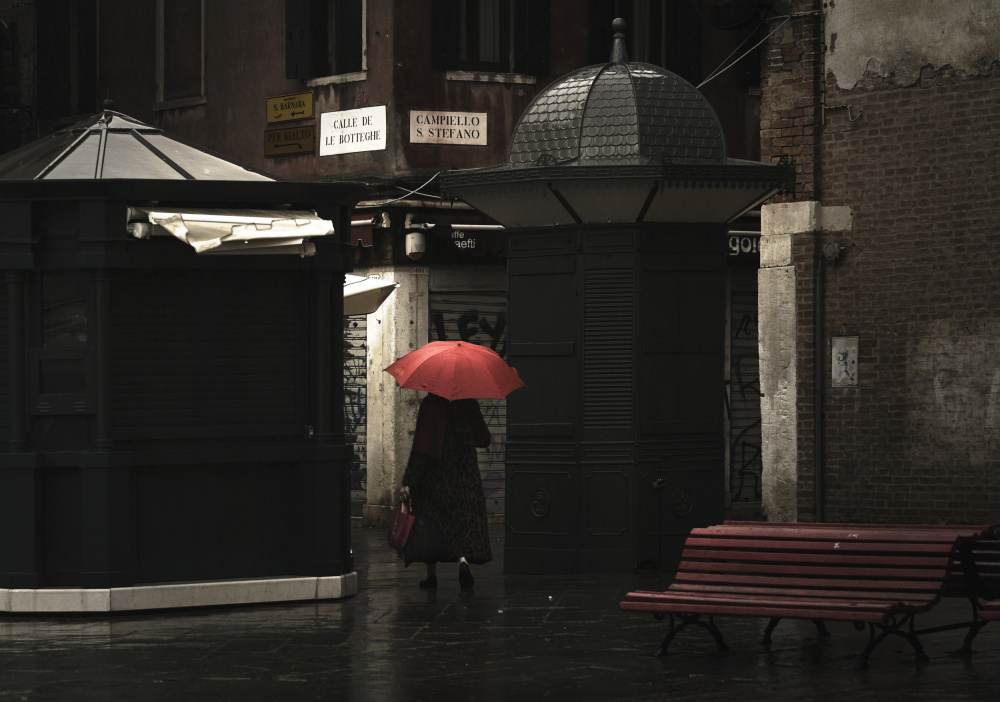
x=617, y=112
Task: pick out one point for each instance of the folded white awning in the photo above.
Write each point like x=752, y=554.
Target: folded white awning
x=365, y=295
x=233, y=231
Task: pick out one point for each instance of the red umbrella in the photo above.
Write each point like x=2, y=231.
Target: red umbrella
x=456, y=370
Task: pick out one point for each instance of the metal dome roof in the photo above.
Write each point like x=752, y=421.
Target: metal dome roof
x=617, y=143
x=618, y=112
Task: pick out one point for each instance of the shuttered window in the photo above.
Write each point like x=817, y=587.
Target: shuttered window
x=608, y=352
x=182, y=49
x=208, y=355
x=324, y=38
x=504, y=36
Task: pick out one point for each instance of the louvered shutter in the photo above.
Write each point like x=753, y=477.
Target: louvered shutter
x=198, y=355
x=444, y=34
x=531, y=37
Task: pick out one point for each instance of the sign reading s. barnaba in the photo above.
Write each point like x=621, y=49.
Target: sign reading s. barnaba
x=429, y=127
x=352, y=130
x=286, y=108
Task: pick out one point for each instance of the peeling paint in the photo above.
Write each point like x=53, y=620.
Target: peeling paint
x=897, y=39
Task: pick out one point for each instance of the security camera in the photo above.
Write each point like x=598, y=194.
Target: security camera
x=416, y=245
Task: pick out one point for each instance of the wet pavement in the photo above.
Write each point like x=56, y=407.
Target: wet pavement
x=512, y=638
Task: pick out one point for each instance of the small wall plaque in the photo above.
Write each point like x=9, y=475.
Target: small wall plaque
x=844, y=355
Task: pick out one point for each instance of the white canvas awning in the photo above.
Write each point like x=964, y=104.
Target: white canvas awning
x=365, y=295
x=233, y=231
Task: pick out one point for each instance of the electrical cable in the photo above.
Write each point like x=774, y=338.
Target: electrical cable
x=720, y=70
x=414, y=192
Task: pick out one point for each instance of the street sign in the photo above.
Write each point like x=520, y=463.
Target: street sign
x=286, y=108
x=465, y=128
x=290, y=140
x=351, y=131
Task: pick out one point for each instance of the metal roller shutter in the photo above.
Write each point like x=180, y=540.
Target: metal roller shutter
x=356, y=405
x=479, y=317
x=744, y=437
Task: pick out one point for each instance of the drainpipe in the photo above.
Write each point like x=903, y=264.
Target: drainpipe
x=831, y=252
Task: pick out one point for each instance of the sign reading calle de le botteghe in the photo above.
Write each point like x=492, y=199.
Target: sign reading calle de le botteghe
x=350, y=131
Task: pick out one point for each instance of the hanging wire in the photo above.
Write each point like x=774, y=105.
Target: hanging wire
x=414, y=192
x=723, y=68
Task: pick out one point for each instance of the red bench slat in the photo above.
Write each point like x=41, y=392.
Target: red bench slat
x=855, y=573
x=917, y=560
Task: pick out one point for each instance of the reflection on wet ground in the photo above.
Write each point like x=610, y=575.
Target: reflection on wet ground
x=512, y=638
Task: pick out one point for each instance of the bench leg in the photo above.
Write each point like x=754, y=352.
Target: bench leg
x=820, y=629
x=974, y=628
x=892, y=628
x=766, y=638
x=695, y=619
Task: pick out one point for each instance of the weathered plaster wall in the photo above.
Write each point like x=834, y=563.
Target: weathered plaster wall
x=896, y=39
x=399, y=326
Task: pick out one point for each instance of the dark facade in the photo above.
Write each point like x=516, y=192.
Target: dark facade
x=206, y=71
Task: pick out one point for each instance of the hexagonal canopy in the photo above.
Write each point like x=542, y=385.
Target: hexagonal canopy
x=111, y=145
x=617, y=143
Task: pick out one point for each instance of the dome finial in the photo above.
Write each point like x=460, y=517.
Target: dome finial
x=618, y=53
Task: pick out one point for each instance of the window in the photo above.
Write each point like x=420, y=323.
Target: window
x=64, y=56
x=61, y=354
x=484, y=35
x=496, y=36
x=664, y=34
x=324, y=38
x=181, y=51
x=15, y=119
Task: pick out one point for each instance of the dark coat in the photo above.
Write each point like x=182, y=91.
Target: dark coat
x=447, y=488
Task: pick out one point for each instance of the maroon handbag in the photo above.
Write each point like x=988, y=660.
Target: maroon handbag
x=402, y=522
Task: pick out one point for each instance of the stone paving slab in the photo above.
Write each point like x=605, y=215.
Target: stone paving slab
x=513, y=638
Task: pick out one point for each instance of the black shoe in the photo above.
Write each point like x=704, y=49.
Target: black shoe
x=430, y=584
x=465, y=578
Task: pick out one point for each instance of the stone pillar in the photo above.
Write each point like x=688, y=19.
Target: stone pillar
x=790, y=240
x=399, y=326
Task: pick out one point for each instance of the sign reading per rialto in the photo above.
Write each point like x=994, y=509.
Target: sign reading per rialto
x=352, y=130
x=428, y=127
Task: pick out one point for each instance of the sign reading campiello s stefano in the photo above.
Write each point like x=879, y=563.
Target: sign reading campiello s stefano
x=352, y=130
x=468, y=128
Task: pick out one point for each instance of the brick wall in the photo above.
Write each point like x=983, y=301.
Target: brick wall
x=917, y=441
x=790, y=94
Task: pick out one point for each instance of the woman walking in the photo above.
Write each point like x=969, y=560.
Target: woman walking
x=442, y=475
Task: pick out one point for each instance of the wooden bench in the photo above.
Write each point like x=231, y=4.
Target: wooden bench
x=974, y=573
x=881, y=576
x=990, y=611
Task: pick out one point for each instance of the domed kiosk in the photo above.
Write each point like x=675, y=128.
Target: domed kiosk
x=616, y=196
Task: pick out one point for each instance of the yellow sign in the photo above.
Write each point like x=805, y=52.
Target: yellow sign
x=286, y=108
x=290, y=140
